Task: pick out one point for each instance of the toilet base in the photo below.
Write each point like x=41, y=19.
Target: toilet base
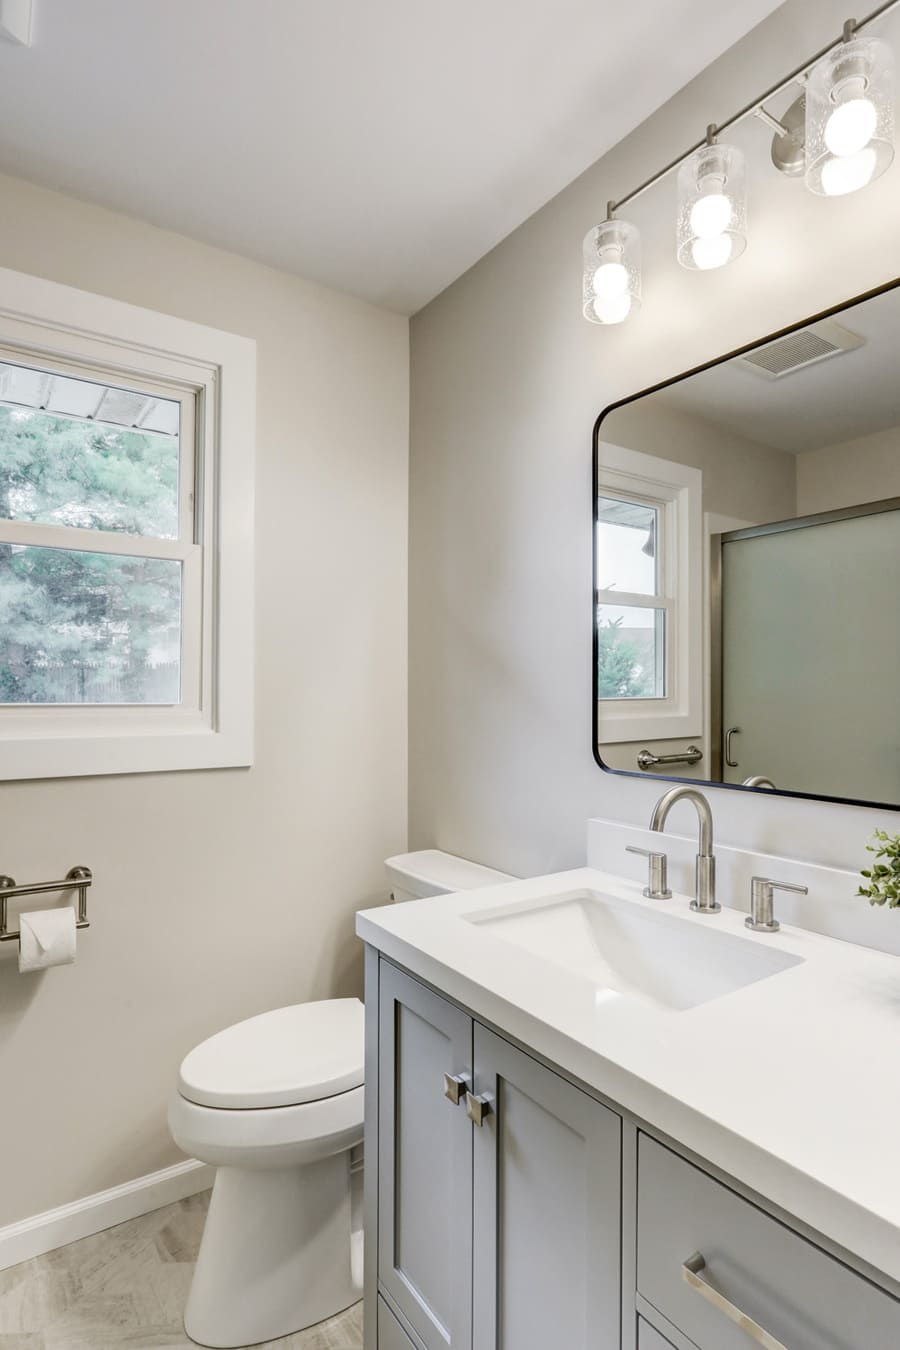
x=275, y=1254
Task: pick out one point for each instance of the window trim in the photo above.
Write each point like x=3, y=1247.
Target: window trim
x=45, y=320
x=677, y=490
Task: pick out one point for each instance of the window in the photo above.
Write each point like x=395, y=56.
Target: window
x=631, y=610
x=126, y=455
x=648, y=572
x=99, y=594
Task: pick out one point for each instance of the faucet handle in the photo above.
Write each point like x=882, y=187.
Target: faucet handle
x=657, y=887
x=761, y=918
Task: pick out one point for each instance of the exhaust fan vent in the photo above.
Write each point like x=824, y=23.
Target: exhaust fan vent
x=797, y=350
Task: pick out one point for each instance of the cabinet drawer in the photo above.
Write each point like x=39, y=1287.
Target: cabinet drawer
x=650, y=1339
x=391, y=1335
x=802, y=1297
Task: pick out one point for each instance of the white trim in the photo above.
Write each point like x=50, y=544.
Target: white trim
x=713, y=523
x=48, y=319
x=677, y=488
x=58, y=1227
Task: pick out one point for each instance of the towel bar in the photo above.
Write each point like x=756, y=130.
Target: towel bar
x=76, y=879
x=647, y=760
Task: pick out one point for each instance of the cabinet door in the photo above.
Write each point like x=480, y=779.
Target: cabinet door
x=547, y=1209
x=424, y=1162
x=390, y=1334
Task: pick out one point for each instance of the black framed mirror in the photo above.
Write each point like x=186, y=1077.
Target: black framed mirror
x=746, y=599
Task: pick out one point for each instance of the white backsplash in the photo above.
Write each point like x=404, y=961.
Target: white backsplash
x=831, y=907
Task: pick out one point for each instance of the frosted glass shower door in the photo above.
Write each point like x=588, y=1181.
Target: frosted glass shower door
x=811, y=655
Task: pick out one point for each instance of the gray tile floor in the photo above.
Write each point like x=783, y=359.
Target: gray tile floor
x=125, y=1289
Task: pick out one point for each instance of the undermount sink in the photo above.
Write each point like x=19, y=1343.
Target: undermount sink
x=623, y=949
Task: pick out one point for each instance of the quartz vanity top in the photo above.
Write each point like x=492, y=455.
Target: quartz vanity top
x=790, y=1083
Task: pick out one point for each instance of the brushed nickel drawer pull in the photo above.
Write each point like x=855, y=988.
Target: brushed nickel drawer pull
x=690, y=1273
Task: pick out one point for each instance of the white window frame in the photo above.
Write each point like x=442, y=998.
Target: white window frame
x=213, y=373
x=676, y=490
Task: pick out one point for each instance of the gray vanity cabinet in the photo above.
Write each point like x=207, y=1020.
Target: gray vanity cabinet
x=498, y=1235
x=500, y=1207
x=649, y=1338
x=424, y=1162
x=547, y=1209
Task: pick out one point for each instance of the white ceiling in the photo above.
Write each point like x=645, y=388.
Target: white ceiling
x=378, y=146
x=841, y=399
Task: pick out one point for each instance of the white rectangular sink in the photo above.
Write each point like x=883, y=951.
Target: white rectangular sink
x=624, y=949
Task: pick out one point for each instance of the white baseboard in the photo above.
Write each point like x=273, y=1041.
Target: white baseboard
x=58, y=1227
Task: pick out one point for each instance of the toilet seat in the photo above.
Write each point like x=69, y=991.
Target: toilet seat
x=272, y=1137
x=306, y=1053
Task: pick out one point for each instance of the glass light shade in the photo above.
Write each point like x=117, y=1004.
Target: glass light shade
x=712, y=207
x=850, y=117
x=611, y=272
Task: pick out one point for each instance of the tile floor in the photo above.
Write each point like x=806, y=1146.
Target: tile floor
x=125, y=1290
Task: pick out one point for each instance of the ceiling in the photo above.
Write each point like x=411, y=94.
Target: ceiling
x=843, y=398
x=380, y=148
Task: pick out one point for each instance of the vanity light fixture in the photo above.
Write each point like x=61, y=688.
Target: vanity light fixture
x=838, y=133
x=850, y=116
x=611, y=271
x=712, y=206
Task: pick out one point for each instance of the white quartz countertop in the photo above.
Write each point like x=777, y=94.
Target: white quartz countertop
x=790, y=1084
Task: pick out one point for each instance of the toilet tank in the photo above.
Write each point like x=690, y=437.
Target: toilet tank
x=430, y=872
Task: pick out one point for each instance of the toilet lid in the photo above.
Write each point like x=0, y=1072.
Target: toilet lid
x=280, y=1058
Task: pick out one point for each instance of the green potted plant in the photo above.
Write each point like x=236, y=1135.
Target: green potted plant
x=882, y=879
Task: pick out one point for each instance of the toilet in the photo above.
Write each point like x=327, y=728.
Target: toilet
x=275, y=1103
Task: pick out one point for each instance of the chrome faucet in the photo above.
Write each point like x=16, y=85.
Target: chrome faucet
x=705, y=902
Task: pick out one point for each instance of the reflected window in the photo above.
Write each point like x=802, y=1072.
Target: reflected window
x=647, y=602
x=631, y=629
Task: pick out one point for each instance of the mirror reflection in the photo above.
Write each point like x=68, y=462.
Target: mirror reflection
x=747, y=567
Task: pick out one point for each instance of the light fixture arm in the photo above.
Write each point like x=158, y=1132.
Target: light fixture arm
x=771, y=122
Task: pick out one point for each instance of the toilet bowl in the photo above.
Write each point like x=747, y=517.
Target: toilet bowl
x=276, y=1104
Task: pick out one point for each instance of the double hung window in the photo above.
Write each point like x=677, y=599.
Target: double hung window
x=648, y=598
x=126, y=537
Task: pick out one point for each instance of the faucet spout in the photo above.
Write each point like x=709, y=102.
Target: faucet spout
x=705, y=899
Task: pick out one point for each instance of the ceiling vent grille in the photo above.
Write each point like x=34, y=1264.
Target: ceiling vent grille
x=797, y=350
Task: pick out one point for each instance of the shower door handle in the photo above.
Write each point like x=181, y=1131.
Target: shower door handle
x=732, y=731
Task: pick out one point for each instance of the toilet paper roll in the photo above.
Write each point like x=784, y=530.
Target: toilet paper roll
x=47, y=938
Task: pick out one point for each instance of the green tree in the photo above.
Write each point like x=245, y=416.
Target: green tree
x=71, y=621
x=620, y=674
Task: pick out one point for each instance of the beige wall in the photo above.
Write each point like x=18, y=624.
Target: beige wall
x=863, y=470
x=507, y=381
x=740, y=477
x=220, y=894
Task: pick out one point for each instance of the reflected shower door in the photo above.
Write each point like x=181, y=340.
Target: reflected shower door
x=811, y=653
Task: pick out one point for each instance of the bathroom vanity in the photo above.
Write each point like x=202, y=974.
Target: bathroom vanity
x=597, y=1120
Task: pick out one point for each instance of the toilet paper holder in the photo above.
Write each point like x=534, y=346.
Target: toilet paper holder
x=76, y=879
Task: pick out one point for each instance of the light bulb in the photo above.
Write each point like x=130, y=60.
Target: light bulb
x=851, y=126
x=710, y=215
x=848, y=173
x=612, y=309
x=710, y=253
x=610, y=280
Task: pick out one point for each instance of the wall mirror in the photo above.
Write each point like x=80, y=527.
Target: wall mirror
x=747, y=566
